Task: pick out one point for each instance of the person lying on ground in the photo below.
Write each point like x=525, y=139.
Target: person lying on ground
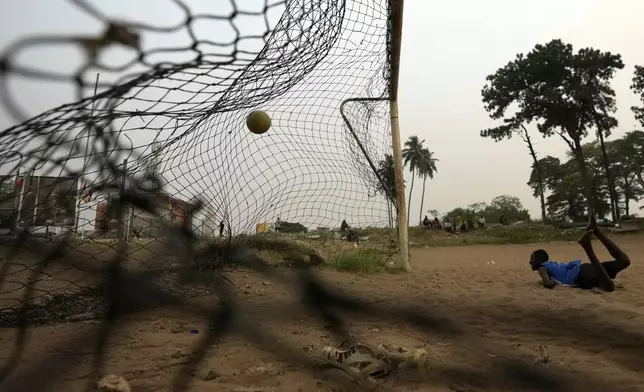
x=582, y=275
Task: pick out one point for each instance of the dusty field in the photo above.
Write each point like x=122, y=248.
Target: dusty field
x=489, y=320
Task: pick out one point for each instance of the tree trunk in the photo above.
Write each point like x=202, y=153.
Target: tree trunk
x=614, y=210
x=537, y=167
x=422, y=202
x=572, y=211
x=388, y=212
x=627, y=195
x=583, y=172
x=411, y=189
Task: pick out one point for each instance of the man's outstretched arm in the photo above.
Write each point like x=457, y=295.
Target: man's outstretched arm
x=547, y=281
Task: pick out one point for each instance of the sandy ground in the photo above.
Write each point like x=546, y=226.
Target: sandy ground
x=489, y=320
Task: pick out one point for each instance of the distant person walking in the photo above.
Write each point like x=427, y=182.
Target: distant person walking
x=278, y=225
x=222, y=226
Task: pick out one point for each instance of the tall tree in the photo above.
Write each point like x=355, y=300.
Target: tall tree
x=386, y=173
x=544, y=170
x=602, y=202
x=635, y=142
x=626, y=167
x=525, y=135
x=564, y=91
x=434, y=213
x=563, y=181
x=412, y=156
x=426, y=169
x=638, y=88
x=506, y=131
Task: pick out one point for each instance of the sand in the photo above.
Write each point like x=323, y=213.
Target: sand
x=490, y=318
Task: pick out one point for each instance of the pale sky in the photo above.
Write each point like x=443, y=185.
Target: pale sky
x=448, y=50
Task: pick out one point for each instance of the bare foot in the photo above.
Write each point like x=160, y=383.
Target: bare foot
x=592, y=222
x=585, y=239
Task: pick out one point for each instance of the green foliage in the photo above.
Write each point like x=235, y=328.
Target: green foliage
x=289, y=227
x=426, y=169
x=564, y=185
x=413, y=155
x=421, y=162
x=518, y=233
x=527, y=233
x=638, y=88
x=386, y=173
x=509, y=206
x=563, y=91
x=364, y=260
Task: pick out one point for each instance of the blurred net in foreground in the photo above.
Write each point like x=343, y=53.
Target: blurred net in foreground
x=150, y=184
x=172, y=97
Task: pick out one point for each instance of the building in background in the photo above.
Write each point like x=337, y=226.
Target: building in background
x=51, y=206
x=44, y=205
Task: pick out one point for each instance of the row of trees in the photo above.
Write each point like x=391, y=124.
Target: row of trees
x=566, y=93
x=504, y=205
x=420, y=162
x=562, y=183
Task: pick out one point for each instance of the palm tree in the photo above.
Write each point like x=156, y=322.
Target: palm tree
x=426, y=169
x=386, y=173
x=412, y=156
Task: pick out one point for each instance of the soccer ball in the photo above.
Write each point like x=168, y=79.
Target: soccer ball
x=258, y=122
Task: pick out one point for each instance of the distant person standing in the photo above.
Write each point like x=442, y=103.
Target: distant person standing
x=436, y=223
x=278, y=225
x=222, y=226
x=351, y=235
x=481, y=222
x=344, y=226
x=448, y=226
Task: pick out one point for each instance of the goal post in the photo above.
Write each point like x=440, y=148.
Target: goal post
x=395, y=45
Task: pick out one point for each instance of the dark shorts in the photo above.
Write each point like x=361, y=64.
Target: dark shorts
x=588, y=278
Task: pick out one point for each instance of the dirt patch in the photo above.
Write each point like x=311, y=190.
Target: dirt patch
x=491, y=319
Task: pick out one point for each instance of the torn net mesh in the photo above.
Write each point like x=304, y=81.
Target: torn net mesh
x=170, y=106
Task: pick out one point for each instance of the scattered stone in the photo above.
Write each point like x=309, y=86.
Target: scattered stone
x=113, y=383
x=83, y=317
x=210, y=375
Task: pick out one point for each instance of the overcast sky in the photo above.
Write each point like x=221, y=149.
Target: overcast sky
x=449, y=47
x=448, y=50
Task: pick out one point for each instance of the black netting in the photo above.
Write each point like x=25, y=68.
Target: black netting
x=147, y=187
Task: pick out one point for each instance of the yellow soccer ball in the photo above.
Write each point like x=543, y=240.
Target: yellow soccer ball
x=258, y=122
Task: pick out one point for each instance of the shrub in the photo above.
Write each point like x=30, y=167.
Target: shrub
x=362, y=260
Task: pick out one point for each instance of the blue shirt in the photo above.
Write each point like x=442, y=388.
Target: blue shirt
x=563, y=273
